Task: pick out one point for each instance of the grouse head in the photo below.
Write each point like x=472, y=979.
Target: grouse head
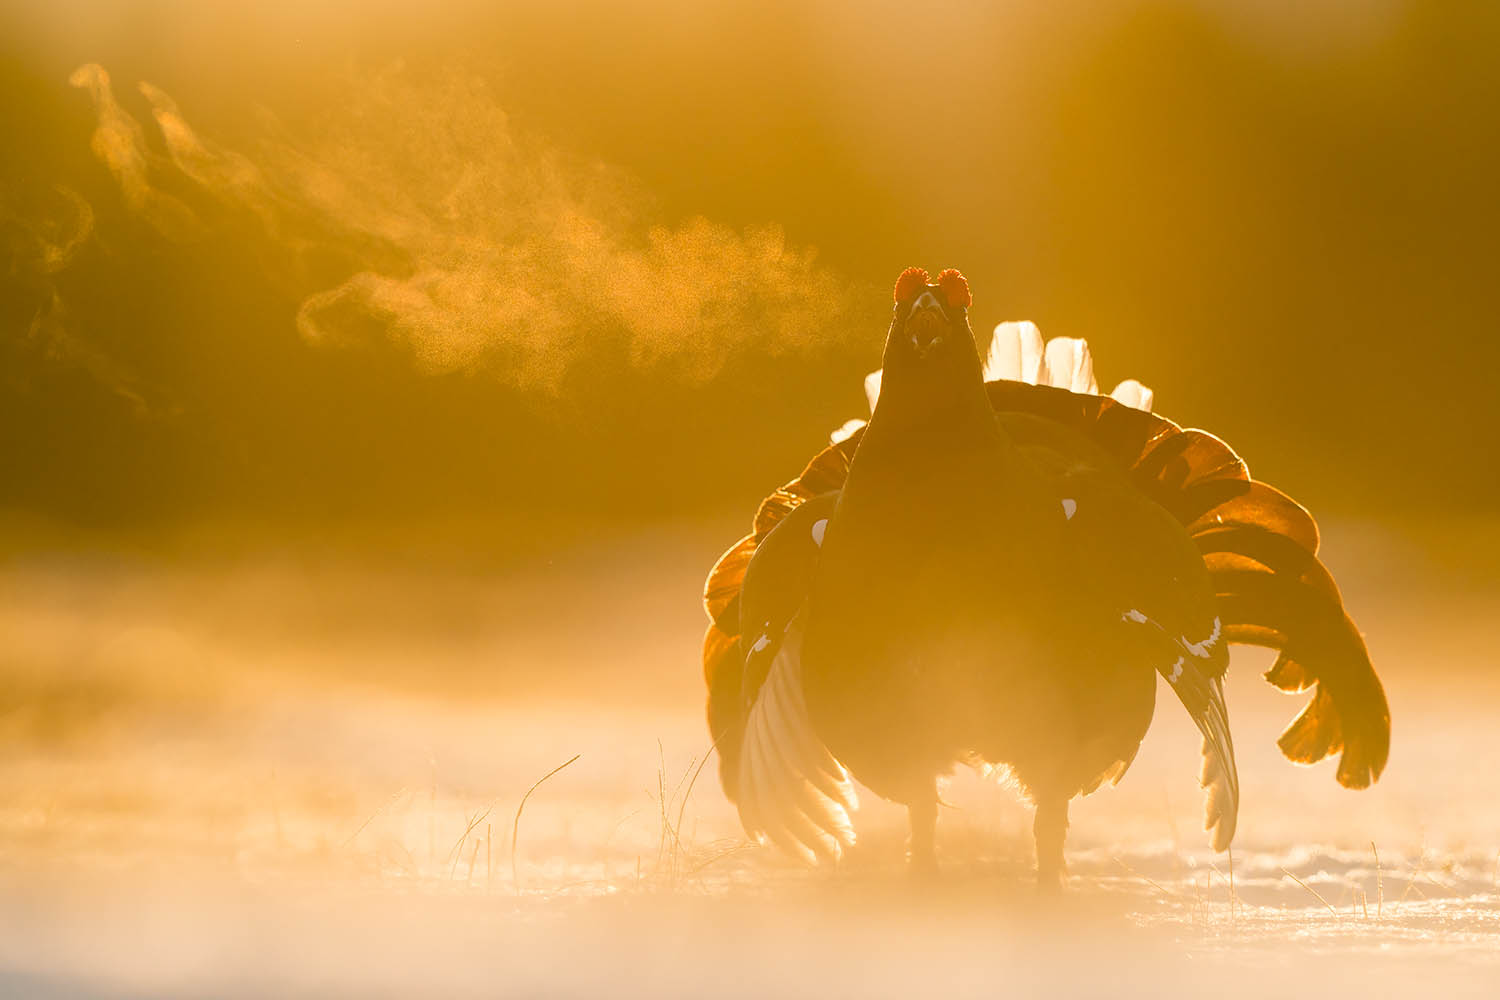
x=931, y=362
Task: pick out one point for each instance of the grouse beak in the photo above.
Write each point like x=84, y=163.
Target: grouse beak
x=925, y=325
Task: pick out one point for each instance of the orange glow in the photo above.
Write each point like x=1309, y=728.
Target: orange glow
x=379, y=381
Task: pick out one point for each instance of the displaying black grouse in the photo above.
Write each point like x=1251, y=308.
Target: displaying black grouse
x=992, y=572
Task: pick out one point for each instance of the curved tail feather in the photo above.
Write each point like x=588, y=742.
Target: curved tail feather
x=1320, y=648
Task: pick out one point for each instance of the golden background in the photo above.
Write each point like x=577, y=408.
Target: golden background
x=378, y=381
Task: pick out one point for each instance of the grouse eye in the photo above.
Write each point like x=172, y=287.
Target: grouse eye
x=910, y=284
x=955, y=288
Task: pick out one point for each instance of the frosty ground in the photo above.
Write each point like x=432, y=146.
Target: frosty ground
x=259, y=775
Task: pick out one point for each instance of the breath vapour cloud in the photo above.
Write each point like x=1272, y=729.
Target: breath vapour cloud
x=472, y=246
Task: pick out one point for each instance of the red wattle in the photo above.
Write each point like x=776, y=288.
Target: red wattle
x=910, y=284
x=955, y=288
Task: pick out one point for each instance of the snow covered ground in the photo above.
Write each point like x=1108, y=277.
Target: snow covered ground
x=285, y=779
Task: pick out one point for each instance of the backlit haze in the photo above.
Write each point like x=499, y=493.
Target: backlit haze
x=379, y=381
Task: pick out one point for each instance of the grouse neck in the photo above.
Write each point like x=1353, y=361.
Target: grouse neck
x=933, y=397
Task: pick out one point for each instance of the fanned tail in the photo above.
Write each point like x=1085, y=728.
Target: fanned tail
x=1259, y=545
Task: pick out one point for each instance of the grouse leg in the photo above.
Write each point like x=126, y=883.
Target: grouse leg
x=1050, y=828
x=922, y=856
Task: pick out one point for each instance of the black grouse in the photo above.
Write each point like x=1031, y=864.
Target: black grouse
x=992, y=572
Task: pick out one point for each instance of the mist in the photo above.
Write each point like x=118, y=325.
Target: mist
x=378, y=383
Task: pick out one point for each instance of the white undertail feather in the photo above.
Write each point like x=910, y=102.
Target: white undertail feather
x=1070, y=365
x=845, y=432
x=792, y=791
x=1134, y=395
x=1017, y=354
x=872, y=387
